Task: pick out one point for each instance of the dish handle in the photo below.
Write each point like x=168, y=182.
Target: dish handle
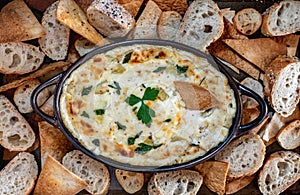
x=263, y=108
x=34, y=96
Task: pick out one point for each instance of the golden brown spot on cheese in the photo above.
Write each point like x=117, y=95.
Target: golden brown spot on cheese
x=97, y=72
x=87, y=129
x=162, y=55
x=76, y=105
x=104, y=147
x=136, y=58
x=119, y=148
x=97, y=59
x=147, y=54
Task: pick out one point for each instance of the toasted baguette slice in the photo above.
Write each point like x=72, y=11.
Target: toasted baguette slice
x=19, y=175
x=272, y=128
x=289, y=136
x=15, y=132
x=56, y=42
x=131, y=182
x=281, y=18
x=282, y=81
x=110, y=18
x=238, y=184
x=247, y=21
x=280, y=171
x=93, y=172
x=18, y=23
x=23, y=93
x=168, y=24
x=175, y=182
x=146, y=26
x=19, y=58
x=245, y=155
x=56, y=179
x=201, y=25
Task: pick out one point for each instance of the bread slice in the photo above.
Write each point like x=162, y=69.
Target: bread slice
x=19, y=58
x=260, y=51
x=48, y=106
x=168, y=24
x=238, y=184
x=93, y=172
x=281, y=170
x=131, y=182
x=195, y=97
x=228, y=14
x=245, y=155
x=283, y=84
x=70, y=14
x=281, y=18
x=18, y=23
x=56, y=179
x=110, y=18
x=289, y=136
x=146, y=25
x=291, y=41
x=175, y=182
x=247, y=21
x=172, y=5
x=201, y=25
x=214, y=175
x=23, y=93
x=19, y=175
x=84, y=46
x=56, y=42
x=15, y=132
x=132, y=6
x=53, y=142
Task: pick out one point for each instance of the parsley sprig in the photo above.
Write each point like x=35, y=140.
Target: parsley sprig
x=144, y=113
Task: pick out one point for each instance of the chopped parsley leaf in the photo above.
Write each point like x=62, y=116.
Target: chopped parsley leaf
x=86, y=90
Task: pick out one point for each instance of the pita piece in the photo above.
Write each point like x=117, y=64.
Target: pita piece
x=238, y=184
x=260, y=51
x=291, y=41
x=39, y=5
x=18, y=23
x=214, y=175
x=53, y=142
x=172, y=5
x=195, y=97
x=56, y=179
x=38, y=73
x=70, y=14
x=132, y=6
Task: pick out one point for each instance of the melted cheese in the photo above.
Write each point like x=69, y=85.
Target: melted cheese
x=94, y=108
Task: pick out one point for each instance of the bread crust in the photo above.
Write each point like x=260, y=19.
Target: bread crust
x=247, y=21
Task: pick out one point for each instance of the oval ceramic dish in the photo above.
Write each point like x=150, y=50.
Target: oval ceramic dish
x=235, y=130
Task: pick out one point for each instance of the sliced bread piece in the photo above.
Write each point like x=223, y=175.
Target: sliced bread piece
x=247, y=21
x=70, y=14
x=53, y=142
x=281, y=170
x=245, y=155
x=131, y=182
x=260, y=51
x=19, y=58
x=93, y=172
x=15, y=132
x=281, y=18
x=146, y=26
x=214, y=175
x=23, y=93
x=238, y=184
x=201, y=25
x=18, y=23
x=228, y=14
x=175, y=182
x=110, y=18
x=48, y=106
x=168, y=24
x=19, y=175
x=289, y=136
x=283, y=84
x=56, y=179
x=56, y=42
x=84, y=46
